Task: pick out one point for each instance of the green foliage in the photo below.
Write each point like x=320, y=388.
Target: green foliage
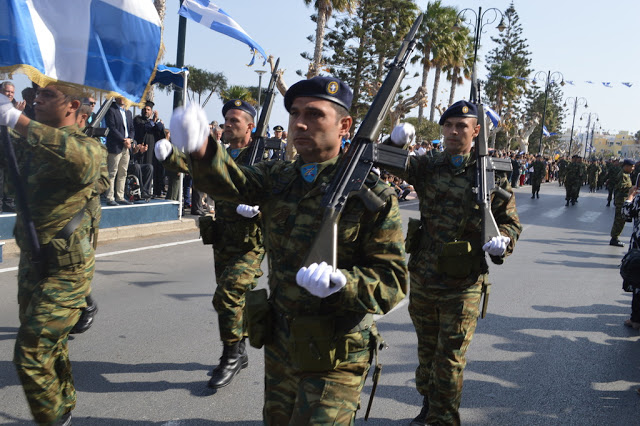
x=554, y=116
x=238, y=92
x=425, y=130
x=200, y=82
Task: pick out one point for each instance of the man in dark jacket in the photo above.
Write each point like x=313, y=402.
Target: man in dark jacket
x=120, y=124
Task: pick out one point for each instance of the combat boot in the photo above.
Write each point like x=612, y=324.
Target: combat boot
x=533, y=195
x=567, y=203
x=616, y=242
x=86, y=318
x=537, y=195
x=234, y=358
x=64, y=420
x=421, y=419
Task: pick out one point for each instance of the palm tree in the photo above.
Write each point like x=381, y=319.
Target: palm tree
x=237, y=92
x=460, y=64
x=443, y=46
x=325, y=8
x=432, y=30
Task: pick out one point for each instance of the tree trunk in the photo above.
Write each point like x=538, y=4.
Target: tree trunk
x=314, y=68
x=454, y=84
x=434, y=96
x=425, y=74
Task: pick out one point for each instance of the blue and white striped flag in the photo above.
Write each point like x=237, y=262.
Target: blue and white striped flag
x=108, y=45
x=211, y=16
x=493, y=116
x=545, y=131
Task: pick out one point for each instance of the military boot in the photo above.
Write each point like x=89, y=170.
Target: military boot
x=86, y=318
x=65, y=420
x=616, y=242
x=421, y=419
x=234, y=358
x=537, y=195
x=567, y=203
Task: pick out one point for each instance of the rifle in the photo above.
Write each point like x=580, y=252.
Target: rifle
x=92, y=130
x=260, y=140
x=485, y=182
x=354, y=167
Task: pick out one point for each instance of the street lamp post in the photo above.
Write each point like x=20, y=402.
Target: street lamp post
x=259, y=72
x=597, y=118
x=477, y=25
x=576, y=102
x=550, y=79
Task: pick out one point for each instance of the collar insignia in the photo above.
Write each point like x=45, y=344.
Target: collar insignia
x=309, y=172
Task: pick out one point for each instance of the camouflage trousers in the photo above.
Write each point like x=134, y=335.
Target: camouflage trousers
x=293, y=397
x=235, y=275
x=572, y=190
x=49, y=308
x=445, y=320
x=618, y=222
x=535, y=185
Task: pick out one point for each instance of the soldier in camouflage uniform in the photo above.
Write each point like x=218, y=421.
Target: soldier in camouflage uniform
x=573, y=180
x=61, y=167
x=447, y=265
x=322, y=337
x=236, y=236
x=614, y=174
x=539, y=170
x=621, y=191
x=562, y=170
x=593, y=172
x=602, y=176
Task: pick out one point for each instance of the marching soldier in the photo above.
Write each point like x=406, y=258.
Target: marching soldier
x=562, y=170
x=448, y=268
x=593, y=172
x=614, y=174
x=539, y=169
x=320, y=344
x=51, y=294
x=236, y=236
x=574, y=177
x=621, y=191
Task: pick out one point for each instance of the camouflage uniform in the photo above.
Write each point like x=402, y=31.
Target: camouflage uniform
x=621, y=193
x=614, y=174
x=572, y=181
x=593, y=171
x=562, y=171
x=238, y=252
x=370, y=254
x=443, y=308
x=62, y=169
x=539, y=169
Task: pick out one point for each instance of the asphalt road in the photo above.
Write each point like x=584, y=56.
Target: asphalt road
x=551, y=351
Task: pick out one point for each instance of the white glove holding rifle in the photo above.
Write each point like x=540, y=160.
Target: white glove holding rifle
x=318, y=279
x=497, y=246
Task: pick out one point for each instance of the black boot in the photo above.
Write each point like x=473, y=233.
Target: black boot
x=533, y=195
x=86, y=318
x=234, y=358
x=567, y=203
x=537, y=195
x=64, y=420
x=616, y=242
x=421, y=419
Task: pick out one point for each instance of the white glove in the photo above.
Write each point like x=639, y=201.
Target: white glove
x=403, y=134
x=497, y=245
x=318, y=279
x=189, y=128
x=247, y=211
x=9, y=115
x=163, y=149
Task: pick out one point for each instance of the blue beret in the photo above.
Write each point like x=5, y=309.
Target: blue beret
x=459, y=109
x=329, y=88
x=628, y=162
x=238, y=104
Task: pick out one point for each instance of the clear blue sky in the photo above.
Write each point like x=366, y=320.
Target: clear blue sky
x=584, y=40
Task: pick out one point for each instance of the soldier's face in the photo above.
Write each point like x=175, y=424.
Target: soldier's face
x=53, y=108
x=237, y=126
x=459, y=133
x=316, y=129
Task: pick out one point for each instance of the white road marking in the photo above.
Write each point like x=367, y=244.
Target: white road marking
x=589, y=217
x=114, y=253
x=552, y=214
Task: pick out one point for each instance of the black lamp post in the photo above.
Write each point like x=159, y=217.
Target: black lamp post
x=597, y=118
x=576, y=102
x=549, y=79
x=481, y=19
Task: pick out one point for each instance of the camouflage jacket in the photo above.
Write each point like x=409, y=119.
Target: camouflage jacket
x=539, y=170
x=449, y=212
x=593, y=171
x=238, y=233
x=614, y=174
x=370, y=245
x=621, y=190
x=574, y=174
x=63, y=169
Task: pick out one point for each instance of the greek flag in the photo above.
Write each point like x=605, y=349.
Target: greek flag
x=106, y=45
x=211, y=16
x=545, y=131
x=493, y=116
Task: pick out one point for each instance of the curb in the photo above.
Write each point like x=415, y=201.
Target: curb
x=189, y=223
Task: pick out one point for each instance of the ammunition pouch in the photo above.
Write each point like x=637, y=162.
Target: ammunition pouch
x=209, y=231
x=414, y=236
x=456, y=260
x=313, y=344
x=258, y=317
x=67, y=253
